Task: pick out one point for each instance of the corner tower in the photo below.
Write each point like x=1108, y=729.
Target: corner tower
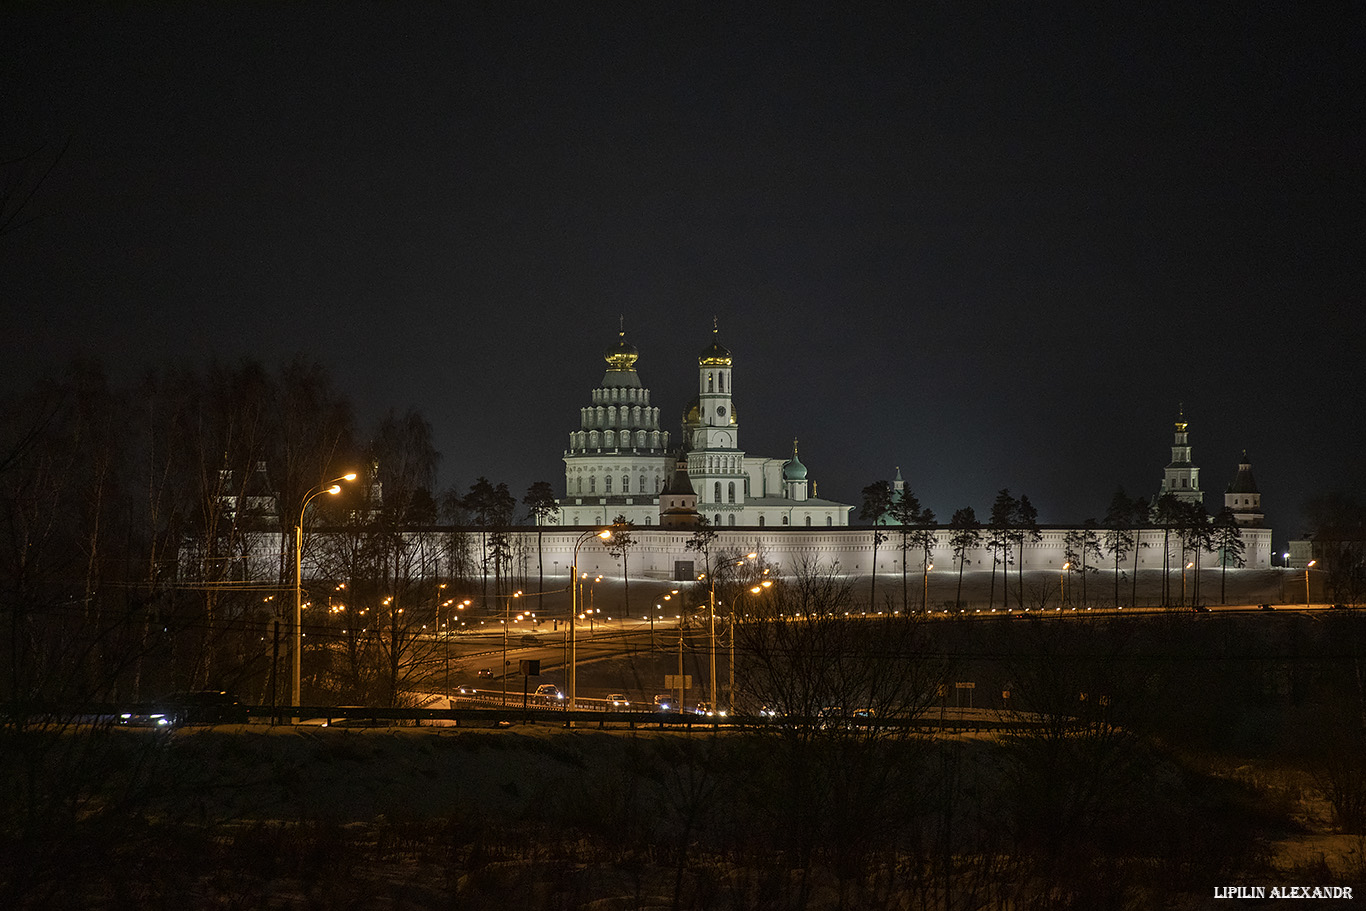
x=1242, y=497
x=1181, y=477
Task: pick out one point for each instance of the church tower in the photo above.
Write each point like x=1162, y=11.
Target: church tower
x=711, y=429
x=717, y=426
x=1181, y=477
x=1242, y=497
x=618, y=460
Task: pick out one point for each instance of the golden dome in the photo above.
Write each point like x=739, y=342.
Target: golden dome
x=715, y=354
x=622, y=356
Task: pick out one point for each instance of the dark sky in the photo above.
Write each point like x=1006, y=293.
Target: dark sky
x=997, y=245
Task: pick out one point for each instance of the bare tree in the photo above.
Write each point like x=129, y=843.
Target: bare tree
x=541, y=503
x=966, y=535
x=1118, y=536
x=877, y=499
x=999, y=538
x=619, y=545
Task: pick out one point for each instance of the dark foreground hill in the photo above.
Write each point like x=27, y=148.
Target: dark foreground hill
x=1205, y=753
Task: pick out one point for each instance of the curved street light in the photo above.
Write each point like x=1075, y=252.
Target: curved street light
x=331, y=487
x=1306, y=581
x=602, y=534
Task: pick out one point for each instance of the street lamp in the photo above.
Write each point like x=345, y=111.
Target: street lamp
x=711, y=621
x=507, y=617
x=605, y=534
x=1306, y=581
x=331, y=487
x=1062, y=584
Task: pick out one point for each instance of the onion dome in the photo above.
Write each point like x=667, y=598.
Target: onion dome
x=715, y=354
x=793, y=469
x=622, y=356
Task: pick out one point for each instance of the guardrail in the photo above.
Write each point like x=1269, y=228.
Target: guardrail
x=329, y=715
x=928, y=723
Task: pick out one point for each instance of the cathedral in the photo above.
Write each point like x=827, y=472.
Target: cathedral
x=621, y=461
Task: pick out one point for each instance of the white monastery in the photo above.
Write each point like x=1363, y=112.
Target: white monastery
x=619, y=462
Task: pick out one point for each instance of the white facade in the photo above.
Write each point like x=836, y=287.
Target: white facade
x=619, y=460
x=661, y=554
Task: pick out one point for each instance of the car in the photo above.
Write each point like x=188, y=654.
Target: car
x=486, y=673
x=145, y=719
x=548, y=692
x=705, y=708
x=664, y=703
x=465, y=689
x=1201, y=609
x=1267, y=607
x=618, y=701
x=529, y=639
x=196, y=707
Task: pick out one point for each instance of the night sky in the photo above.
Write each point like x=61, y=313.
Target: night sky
x=997, y=245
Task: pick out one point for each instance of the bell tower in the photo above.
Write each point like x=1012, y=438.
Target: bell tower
x=718, y=427
x=712, y=431
x=1181, y=477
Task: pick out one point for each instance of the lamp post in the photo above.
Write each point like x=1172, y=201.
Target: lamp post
x=1306, y=581
x=604, y=535
x=1062, y=585
x=1183, y=582
x=507, y=619
x=759, y=589
x=925, y=598
x=711, y=620
x=331, y=487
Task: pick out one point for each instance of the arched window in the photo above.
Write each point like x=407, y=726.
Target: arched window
x=607, y=484
x=761, y=521
x=784, y=520
x=626, y=483
x=709, y=382
x=580, y=490
x=716, y=493
x=642, y=484
x=730, y=519
x=730, y=492
x=592, y=484
x=808, y=521
x=829, y=521
x=721, y=378
x=609, y=439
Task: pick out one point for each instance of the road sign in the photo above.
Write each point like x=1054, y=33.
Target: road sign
x=968, y=685
x=672, y=681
